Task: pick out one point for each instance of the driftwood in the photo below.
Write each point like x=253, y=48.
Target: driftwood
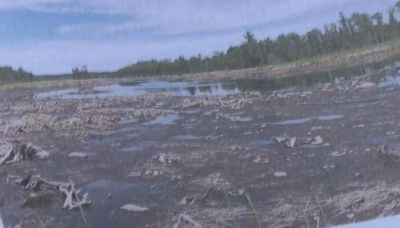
x=6, y=153
x=71, y=194
x=19, y=152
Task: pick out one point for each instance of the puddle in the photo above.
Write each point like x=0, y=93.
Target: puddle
x=387, y=222
x=308, y=119
x=61, y=94
x=261, y=143
x=168, y=119
x=179, y=89
x=131, y=149
x=187, y=137
x=108, y=196
x=108, y=185
x=389, y=81
x=243, y=119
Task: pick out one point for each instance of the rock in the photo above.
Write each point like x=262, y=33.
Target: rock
x=186, y=201
x=317, y=141
x=280, y=174
x=42, y=154
x=134, y=208
x=168, y=158
x=134, y=174
x=350, y=216
x=77, y=155
x=280, y=139
x=291, y=142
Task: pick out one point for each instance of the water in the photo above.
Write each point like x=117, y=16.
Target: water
x=1, y=222
x=168, y=119
x=261, y=143
x=131, y=149
x=179, y=89
x=308, y=119
x=187, y=137
x=388, y=222
x=390, y=81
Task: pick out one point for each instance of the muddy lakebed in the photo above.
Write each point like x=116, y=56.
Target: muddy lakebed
x=186, y=154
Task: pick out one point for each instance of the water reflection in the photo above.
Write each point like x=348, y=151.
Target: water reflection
x=136, y=89
x=217, y=89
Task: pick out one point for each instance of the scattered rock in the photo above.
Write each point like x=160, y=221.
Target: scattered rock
x=134, y=174
x=165, y=158
x=258, y=159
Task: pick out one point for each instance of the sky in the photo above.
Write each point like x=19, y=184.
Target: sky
x=53, y=36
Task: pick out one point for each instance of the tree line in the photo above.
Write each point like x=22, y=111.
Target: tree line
x=8, y=74
x=355, y=31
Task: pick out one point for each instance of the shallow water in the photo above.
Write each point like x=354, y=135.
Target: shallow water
x=307, y=119
x=390, y=81
x=168, y=119
x=187, y=137
x=179, y=89
x=261, y=143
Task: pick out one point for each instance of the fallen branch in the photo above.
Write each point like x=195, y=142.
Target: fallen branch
x=6, y=153
x=11, y=154
x=72, y=199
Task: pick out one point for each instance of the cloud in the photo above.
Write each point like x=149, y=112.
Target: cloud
x=159, y=28
x=177, y=16
x=60, y=56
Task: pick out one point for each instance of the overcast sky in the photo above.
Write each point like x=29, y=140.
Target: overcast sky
x=52, y=36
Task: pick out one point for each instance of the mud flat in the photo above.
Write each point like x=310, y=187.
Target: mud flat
x=202, y=155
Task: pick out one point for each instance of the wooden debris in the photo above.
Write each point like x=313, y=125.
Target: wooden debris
x=71, y=194
x=5, y=153
x=19, y=152
x=134, y=208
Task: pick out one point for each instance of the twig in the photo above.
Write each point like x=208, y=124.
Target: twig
x=320, y=209
x=205, y=195
x=231, y=210
x=253, y=209
x=305, y=213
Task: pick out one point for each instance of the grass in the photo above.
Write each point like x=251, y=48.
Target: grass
x=253, y=209
x=232, y=214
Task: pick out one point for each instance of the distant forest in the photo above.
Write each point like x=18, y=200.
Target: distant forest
x=357, y=31
x=8, y=74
